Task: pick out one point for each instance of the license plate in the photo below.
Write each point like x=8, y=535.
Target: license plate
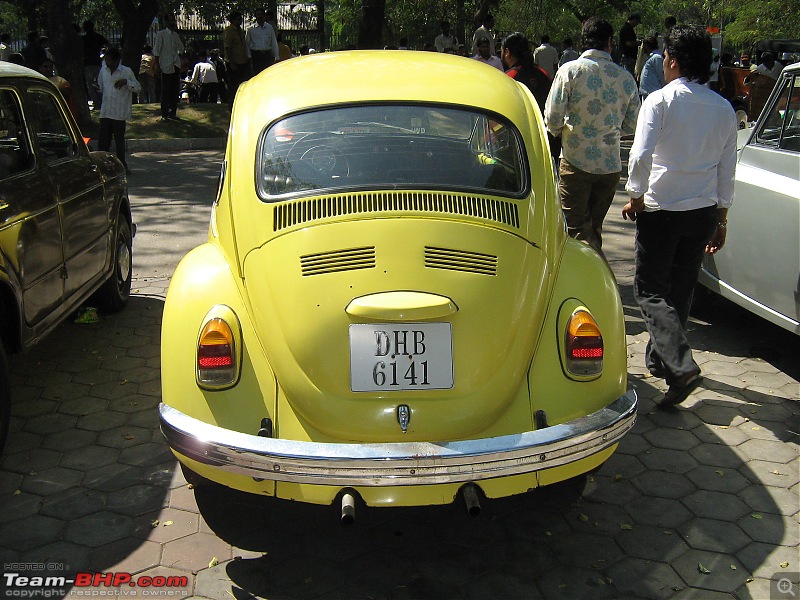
x=394, y=357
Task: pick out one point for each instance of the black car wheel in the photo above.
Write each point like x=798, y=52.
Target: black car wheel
x=114, y=294
x=5, y=397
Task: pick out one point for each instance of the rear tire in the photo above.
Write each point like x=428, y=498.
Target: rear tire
x=5, y=397
x=114, y=294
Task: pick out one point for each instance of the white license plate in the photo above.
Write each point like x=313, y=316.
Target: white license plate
x=407, y=356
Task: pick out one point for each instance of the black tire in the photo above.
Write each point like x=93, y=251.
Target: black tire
x=5, y=397
x=114, y=294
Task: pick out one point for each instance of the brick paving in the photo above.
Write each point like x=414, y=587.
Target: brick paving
x=698, y=502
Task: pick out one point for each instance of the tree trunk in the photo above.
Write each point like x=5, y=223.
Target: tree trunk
x=370, y=27
x=136, y=21
x=65, y=43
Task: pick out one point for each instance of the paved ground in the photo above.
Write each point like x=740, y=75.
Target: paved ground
x=700, y=502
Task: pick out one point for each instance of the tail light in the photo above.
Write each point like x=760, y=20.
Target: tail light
x=583, y=345
x=218, y=350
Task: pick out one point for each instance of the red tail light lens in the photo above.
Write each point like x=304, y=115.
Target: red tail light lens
x=216, y=355
x=584, y=345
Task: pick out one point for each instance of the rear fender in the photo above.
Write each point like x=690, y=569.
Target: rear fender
x=583, y=276
x=203, y=280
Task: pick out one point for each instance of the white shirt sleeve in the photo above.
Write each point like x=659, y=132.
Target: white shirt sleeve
x=640, y=161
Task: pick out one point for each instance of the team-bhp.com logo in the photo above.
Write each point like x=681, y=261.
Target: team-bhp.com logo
x=17, y=585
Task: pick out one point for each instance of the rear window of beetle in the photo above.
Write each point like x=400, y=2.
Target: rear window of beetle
x=390, y=147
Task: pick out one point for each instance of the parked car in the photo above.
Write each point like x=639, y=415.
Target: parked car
x=759, y=266
x=388, y=305
x=65, y=219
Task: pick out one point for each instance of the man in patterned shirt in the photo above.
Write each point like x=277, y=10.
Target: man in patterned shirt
x=592, y=103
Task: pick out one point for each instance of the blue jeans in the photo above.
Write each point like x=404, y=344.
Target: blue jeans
x=669, y=250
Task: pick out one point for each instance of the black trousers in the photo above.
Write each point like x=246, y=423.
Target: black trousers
x=112, y=128
x=170, y=89
x=669, y=250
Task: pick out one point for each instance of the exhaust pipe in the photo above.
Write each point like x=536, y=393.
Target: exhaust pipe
x=473, y=503
x=348, y=509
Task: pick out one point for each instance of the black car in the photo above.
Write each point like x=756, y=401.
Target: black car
x=65, y=219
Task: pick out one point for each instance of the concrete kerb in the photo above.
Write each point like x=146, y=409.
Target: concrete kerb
x=168, y=145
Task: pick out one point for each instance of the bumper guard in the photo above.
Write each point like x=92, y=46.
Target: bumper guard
x=397, y=463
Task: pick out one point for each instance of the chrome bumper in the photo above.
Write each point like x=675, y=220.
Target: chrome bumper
x=401, y=463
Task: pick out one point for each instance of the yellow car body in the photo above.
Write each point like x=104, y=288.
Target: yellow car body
x=391, y=290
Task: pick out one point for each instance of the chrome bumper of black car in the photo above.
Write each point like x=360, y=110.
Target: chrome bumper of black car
x=400, y=463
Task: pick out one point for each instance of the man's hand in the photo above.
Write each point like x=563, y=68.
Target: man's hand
x=717, y=240
x=120, y=83
x=632, y=209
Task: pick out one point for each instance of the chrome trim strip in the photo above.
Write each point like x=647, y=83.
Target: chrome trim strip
x=404, y=463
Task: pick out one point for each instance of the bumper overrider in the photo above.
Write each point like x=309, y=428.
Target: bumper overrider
x=398, y=463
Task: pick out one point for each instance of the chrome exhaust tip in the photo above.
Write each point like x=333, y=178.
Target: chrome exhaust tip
x=470, y=494
x=348, y=515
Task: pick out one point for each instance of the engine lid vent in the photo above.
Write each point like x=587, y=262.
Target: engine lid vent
x=350, y=259
x=460, y=260
x=288, y=214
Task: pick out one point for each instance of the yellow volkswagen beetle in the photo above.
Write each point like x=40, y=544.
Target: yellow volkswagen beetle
x=388, y=306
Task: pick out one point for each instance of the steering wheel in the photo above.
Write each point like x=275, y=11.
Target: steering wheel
x=312, y=153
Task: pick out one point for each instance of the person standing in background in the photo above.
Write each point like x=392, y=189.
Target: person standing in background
x=445, y=41
x=628, y=44
x=167, y=50
x=484, y=32
x=148, y=69
x=485, y=56
x=546, y=57
x=237, y=60
x=117, y=84
x=568, y=53
x=262, y=43
x=93, y=44
x=652, y=78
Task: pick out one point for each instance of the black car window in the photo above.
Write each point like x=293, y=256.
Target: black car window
x=391, y=147
x=50, y=127
x=15, y=153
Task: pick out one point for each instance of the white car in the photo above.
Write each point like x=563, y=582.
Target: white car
x=759, y=266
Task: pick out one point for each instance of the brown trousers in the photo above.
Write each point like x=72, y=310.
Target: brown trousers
x=585, y=200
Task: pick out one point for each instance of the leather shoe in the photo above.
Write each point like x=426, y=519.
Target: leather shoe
x=677, y=393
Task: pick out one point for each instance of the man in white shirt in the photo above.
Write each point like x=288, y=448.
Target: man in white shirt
x=117, y=84
x=485, y=55
x=167, y=49
x=445, y=42
x=680, y=182
x=769, y=66
x=262, y=43
x=484, y=32
x=204, y=78
x=568, y=53
x=546, y=57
